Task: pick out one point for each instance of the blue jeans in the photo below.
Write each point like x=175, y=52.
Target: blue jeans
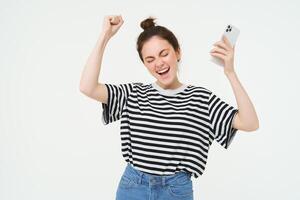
x=137, y=185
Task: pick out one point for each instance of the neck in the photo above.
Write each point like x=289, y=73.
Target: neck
x=176, y=84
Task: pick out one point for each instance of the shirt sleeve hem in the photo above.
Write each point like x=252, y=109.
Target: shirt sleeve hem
x=231, y=130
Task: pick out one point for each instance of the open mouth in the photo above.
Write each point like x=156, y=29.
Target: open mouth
x=164, y=72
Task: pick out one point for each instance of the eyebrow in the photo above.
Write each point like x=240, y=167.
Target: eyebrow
x=159, y=54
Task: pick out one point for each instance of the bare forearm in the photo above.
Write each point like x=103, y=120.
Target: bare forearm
x=91, y=71
x=246, y=115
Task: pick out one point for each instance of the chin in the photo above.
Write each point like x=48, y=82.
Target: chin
x=167, y=81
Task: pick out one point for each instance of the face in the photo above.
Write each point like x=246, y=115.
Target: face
x=159, y=56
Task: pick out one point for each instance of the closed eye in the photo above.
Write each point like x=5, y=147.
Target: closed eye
x=152, y=60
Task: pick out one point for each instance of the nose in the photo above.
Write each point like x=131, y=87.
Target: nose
x=159, y=63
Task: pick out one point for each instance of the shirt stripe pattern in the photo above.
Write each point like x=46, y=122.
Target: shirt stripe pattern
x=162, y=134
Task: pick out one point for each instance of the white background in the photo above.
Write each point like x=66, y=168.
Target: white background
x=53, y=144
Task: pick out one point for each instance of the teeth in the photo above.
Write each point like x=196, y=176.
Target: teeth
x=163, y=70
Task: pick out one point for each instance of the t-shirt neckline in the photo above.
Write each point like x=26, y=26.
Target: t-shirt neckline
x=169, y=92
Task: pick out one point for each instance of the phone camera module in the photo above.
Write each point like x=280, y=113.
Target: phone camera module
x=228, y=29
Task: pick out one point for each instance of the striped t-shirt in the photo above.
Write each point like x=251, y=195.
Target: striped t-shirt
x=166, y=131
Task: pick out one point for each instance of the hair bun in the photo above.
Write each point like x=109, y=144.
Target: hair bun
x=148, y=23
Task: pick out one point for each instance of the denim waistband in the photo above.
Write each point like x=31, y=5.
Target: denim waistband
x=150, y=179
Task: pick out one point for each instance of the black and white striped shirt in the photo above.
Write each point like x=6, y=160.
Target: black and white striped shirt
x=166, y=131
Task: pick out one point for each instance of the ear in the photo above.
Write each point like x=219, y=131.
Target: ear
x=178, y=54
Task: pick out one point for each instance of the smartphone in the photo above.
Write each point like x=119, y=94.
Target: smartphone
x=231, y=33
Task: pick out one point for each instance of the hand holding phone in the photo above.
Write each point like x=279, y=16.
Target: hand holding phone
x=231, y=33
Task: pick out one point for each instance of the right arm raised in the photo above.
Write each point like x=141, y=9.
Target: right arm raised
x=89, y=84
x=89, y=78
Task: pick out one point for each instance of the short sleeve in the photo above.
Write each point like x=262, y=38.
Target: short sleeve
x=117, y=97
x=221, y=116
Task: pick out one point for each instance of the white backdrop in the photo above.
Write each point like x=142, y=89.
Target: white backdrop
x=53, y=144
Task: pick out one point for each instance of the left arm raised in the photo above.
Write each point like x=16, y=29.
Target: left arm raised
x=246, y=118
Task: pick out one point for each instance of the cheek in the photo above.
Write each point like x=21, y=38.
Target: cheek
x=172, y=62
x=171, y=59
x=150, y=67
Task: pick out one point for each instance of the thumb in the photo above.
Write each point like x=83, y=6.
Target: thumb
x=115, y=20
x=120, y=22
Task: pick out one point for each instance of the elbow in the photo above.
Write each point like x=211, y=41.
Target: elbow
x=246, y=125
x=81, y=88
x=84, y=89
x=252, y=127
x=255, y=127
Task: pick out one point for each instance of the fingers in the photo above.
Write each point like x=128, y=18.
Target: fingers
x=115, y=19
x=218, y=55
x=121, y=20
x=222, y=45
x=224, y=51
x=226, y=41
x=219, y=50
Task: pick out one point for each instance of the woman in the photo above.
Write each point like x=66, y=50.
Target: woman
x=167, y=126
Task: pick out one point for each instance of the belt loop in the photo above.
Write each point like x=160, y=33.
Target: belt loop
x=163, y=181
x=141, y=177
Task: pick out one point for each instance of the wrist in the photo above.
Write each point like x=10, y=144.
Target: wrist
x=229, y=73
x=104, y=36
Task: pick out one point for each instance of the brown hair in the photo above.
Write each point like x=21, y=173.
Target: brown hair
x=150, y=30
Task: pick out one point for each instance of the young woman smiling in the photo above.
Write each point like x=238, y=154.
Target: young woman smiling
x=167, y=126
